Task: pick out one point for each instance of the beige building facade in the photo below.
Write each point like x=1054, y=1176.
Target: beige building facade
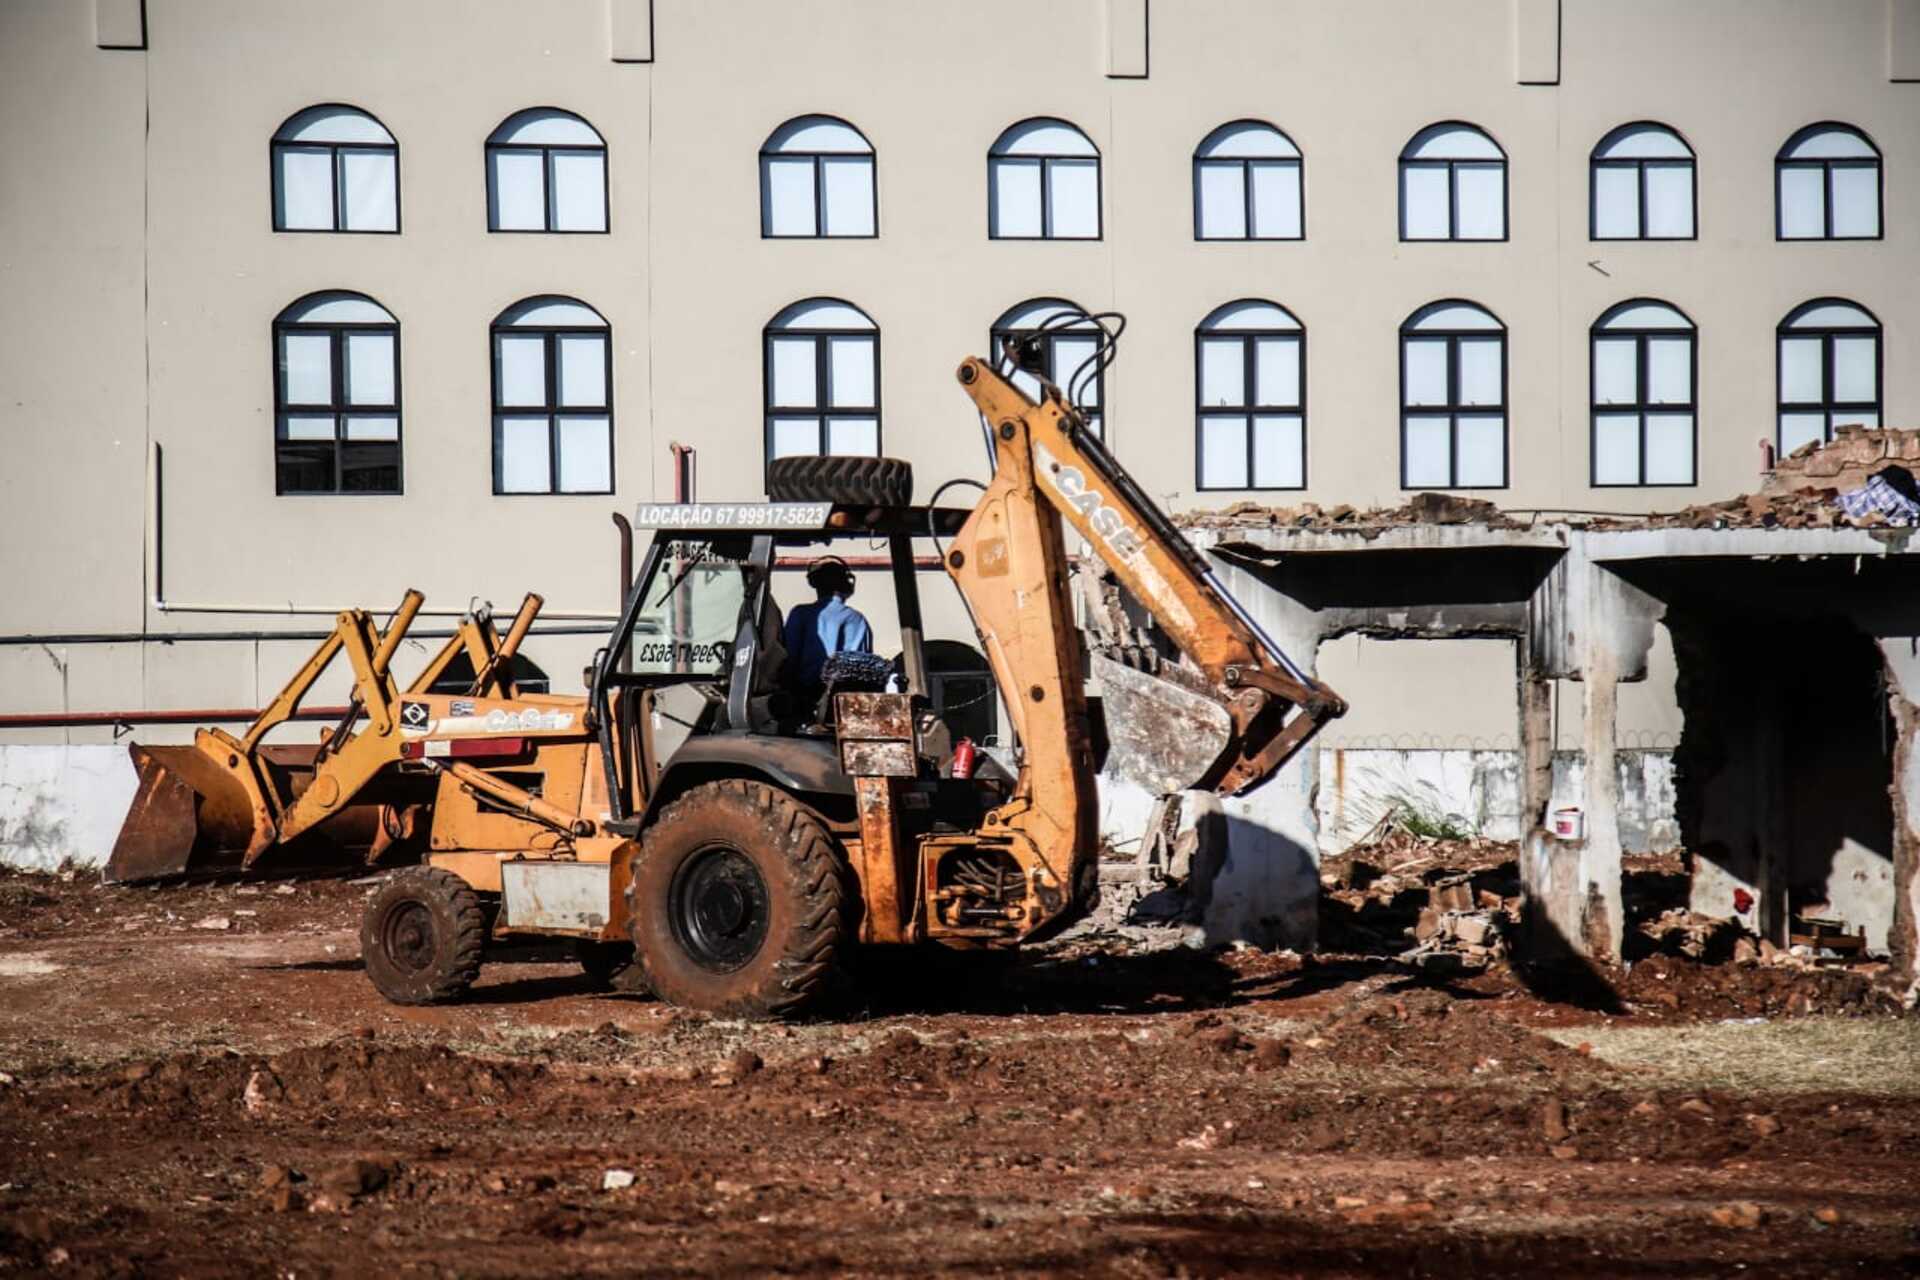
x=152, y=560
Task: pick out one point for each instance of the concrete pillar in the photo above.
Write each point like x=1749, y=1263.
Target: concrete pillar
x=1902, y=657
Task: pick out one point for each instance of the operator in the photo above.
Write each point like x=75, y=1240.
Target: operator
x=817, y=631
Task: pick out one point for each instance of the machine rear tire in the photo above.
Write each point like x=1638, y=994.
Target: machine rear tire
x=422, y=937
x=872, y=482
x=736, y=904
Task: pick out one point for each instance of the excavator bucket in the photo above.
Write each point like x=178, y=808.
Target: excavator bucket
x=1160, y=735
x=190, y=816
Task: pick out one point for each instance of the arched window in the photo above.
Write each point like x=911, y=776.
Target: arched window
x=546, y=171
x=822, y=380
x=1645, y=398
x=1043, y=183
x=816, y=180
x=1642, y=185
x=1246, y=184
x=552, y=398
x=1250, y=372
x=1065, y=346
x=335, y=168
x=1827, y=185
x=336, y=396
x=1829, y=371
x=1453, y=398
x=1453, y=185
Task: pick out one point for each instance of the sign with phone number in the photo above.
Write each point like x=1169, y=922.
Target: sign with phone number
x=732, y=515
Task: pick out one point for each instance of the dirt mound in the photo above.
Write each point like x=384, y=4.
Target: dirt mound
x=351, y=1073
x=1674, y=986
x=1440, y=1035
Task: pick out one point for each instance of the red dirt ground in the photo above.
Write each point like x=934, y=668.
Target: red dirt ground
x=238, y=1101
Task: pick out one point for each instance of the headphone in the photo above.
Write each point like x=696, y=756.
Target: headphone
x=829, y=573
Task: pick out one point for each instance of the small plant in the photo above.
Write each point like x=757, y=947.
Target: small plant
x=1430, y=826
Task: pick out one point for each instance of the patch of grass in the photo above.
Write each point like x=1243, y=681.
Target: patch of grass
x=1789, y=1055
x=1431, y=826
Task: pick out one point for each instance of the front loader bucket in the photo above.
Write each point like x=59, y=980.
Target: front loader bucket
x=190, y=816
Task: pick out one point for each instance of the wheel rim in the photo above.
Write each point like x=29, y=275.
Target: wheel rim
x=718, y=907
x=407, y=937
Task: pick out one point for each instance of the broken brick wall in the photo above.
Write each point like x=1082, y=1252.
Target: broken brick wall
x=1845, y=462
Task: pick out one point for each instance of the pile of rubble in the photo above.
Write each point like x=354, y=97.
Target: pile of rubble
x=1431, y=901
x=1421, y=508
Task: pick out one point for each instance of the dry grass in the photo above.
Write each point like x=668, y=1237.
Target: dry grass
x=1796, y=1055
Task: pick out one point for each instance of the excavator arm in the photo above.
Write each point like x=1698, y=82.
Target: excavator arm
x=1274, y=706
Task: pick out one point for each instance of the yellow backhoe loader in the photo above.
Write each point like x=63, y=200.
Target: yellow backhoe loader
x=690, y=813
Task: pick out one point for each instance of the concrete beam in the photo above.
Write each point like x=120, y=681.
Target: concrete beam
x=630, y=30
x=1127, y=29
x=1536, y=41
x=120, y=24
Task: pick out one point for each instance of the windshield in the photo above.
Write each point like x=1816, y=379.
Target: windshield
x=691, y=608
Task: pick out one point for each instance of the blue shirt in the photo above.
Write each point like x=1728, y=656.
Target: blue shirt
x=815, y=632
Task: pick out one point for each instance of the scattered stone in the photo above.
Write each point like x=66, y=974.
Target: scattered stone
x=1269, y=1055
x=263, y=1090
x=728, y=1187
x=1827, y=1216
x=1553, y=1120
x=275, y=1175
x=1350, y=1202
x=284, y=1199
x=1763, y=1125
x=1741, y=1215
x=616, y=1179
x=354, y=1178
x=1225, y=1039
x=215, y=923
x=742, y=1064
x=1565, y=1151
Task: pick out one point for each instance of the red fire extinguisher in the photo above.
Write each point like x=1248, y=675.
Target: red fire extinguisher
x=963, y=758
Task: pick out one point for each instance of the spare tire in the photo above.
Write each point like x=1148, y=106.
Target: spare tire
x=857, y=482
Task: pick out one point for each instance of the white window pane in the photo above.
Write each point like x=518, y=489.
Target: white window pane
x=1277, y=371
x=850, y=371
x=521, y=448
x=371, y=190
x=1797, y=429
x=1669, y=370
x=1223, y=208
x=1276, y=200
x=849, y=195
x=372, y=426
x=306, y=189
x=1223, y=372
x=1669, y=448
x=306, y=426
x=1800, y=374
x=1802, y=204
x=586, y=459
x=369, y=372
x=1856, y=200
x=853, y=437
x=1483, y=450
x=583, y=369
x=793, y=437
x=1016, y=197
x=1482, y=213
x=1069, y=354
x=519, y=192
x=1076, y=199
x=1426, y=360
x=1853, y=372
x=1616, y=203
x=1423, y=194
x=523, y=368
x=1429, y=446
x=1615, y=376
x=795, y=379
x=1616, y=448
x=1223, y=453
x=786, y=194
x=1279, y=453
x=307, y=361
x=1480, y=370
x=579, y=192
x=1670, y=201
x=1028, y=384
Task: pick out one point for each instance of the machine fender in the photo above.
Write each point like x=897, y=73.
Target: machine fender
x=797, y=765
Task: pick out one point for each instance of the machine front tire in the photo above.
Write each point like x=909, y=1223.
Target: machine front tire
x=855, y=481
x=422, y=937
x=736, y=904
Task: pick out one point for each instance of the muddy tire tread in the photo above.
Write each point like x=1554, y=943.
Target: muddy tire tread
x=856, y=481
x=469, y=940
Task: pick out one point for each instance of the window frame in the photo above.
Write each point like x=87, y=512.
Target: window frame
x=1781, y=163
x=553, y=410
x=1249, y=371
x=871, y=155
x=546, y=149
x=1453, y=187
x=1453, y=409
x=822, y=409
x=1245, y=164
x=998, y=334
x=1047, y=161
x=1597, y=162
x=336, y=331
x=276, y=144
x=1641, y=406
x=1828, y=406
